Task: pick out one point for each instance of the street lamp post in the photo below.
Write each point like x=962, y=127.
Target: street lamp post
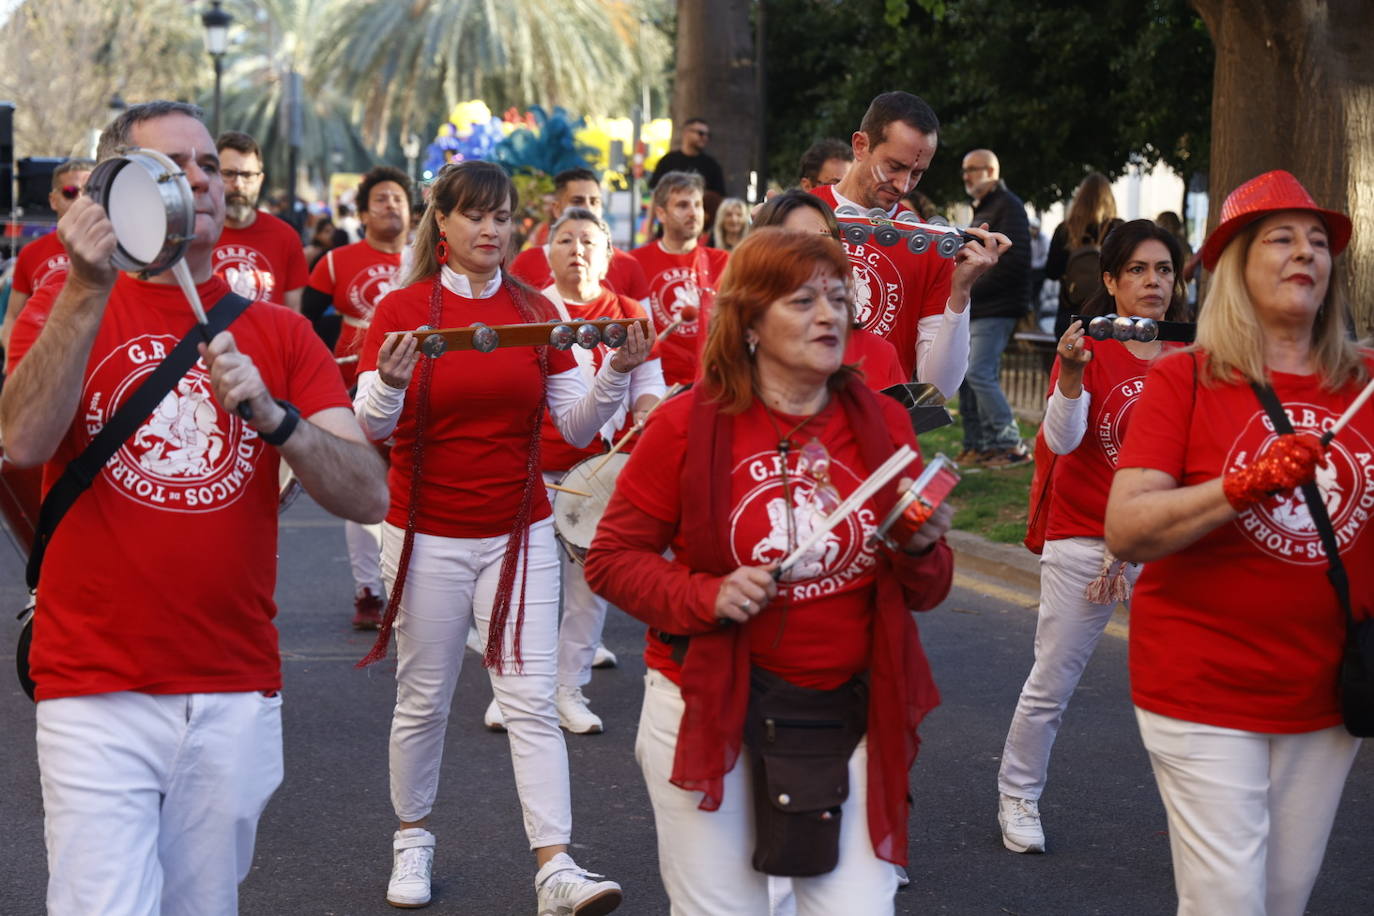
x=216, y=22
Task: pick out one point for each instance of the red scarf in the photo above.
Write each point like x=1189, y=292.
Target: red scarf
x=715, y=670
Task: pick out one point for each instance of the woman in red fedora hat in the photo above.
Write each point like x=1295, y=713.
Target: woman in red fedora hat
x=1236, y=632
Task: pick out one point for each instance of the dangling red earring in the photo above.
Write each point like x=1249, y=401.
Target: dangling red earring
x=441, y=249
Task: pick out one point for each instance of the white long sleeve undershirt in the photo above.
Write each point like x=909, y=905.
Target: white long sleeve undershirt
x=942, y=345
x=1066, y=420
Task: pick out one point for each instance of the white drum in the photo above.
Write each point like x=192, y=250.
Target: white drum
x=575, y=517
x=151, y=207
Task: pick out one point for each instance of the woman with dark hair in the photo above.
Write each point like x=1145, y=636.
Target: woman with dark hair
x=801, y=211
x=469, y=532
x=1237, y=634
x=733, y=476
x=1093, y=387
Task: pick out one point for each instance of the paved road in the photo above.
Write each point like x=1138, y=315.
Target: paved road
x=324, y=843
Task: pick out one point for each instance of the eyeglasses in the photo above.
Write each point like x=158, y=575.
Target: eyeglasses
x=701, y=130
x=234, y=175
x=71, y=191
x=974, y=169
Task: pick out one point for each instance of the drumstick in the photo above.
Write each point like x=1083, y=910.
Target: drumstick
x=569, y=490
x=687, y=313
x=874, y=482
x=1349, y=414
x=639, y=424
x=188, y=287
x=352, y=358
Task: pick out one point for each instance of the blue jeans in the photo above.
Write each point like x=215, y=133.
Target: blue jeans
x=988, y=421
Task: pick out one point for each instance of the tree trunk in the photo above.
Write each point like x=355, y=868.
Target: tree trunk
x=1293, y=89
x=714, y=79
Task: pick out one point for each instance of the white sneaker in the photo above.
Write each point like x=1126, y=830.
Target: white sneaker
x=412, y=861
x=573, y=713
x=1019, y=819
x=492, y=718
x=566, y=890
x=604, y=658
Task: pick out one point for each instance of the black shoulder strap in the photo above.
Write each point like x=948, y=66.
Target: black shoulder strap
x=82, y=470
x=1316, y=506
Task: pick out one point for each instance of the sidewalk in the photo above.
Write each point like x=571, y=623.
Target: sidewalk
x=994, y=568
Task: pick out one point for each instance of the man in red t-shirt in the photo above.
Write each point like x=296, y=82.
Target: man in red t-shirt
x=917, y=301
x=154, y=652
x=354, y=279
x=44, y=260
x=260, y=255
x=580, y=188
x=681, y=272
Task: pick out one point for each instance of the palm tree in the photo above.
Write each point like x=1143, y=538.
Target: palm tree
x=272, y=40
x=407, y=62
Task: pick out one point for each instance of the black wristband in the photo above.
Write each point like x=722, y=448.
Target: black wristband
x=285, y=428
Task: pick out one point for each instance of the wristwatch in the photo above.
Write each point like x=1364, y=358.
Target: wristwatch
x=286, y=427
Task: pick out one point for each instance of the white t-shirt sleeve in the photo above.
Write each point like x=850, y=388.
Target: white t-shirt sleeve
x=1066, y=421
x=579, y=412
x=377, y=405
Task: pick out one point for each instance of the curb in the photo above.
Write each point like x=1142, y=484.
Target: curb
x=1012, y=564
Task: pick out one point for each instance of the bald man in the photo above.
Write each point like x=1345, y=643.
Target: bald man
x=998, y=300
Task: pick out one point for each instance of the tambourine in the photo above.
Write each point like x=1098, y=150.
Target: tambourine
x=561, y=335
x=914, y=507
x=151, y=207
x=857, y=227
x=1126, y=327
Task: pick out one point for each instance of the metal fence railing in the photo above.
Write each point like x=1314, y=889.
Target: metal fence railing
x=1025, y=373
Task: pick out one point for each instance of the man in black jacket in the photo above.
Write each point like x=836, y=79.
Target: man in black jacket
x=997, y=301
x=691, y=156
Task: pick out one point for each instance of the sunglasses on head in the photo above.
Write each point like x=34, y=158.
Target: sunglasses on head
x=71, y=191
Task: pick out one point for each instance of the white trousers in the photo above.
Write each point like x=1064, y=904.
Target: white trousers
x=451, y=581
x=704, y=856
x=364, y=553
x=1066, y=634
x=151, y=803
x=584, y=617
x=1249, y=813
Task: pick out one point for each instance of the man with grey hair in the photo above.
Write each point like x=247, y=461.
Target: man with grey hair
x=44, y=260
x=682, y=273
x=998, y=300
x=154, y=651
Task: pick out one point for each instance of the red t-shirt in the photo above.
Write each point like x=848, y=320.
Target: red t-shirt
x=816, y=631
x=355, y=277
x=480, y=407
x=263, y=262
x=1082, y=479
x=624, y=275
x=894, y=289
x=40, y=262
x=876, y=358
x=556, y=453
x=1242, y=629
x=160, y=578
x=676, y=280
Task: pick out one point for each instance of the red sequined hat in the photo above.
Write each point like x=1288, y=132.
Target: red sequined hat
x=1269, y=193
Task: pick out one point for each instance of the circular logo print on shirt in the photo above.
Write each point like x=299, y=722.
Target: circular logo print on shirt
x=189, y=455
x=246, y=270
x=1282, y=526
x=877, y=288
x=1117, y=404
x=673, y=289
x=53, y=268
x=763, y=530
x=368, y=287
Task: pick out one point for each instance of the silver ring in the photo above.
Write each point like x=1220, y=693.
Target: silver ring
x=746, y=605
x=1068, y=346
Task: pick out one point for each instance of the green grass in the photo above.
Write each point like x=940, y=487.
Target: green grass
x=989, y=503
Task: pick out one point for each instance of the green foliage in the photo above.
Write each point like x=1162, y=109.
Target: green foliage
x=1055, y=88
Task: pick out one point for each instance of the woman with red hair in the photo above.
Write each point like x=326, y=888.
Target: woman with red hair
x=817, y=669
